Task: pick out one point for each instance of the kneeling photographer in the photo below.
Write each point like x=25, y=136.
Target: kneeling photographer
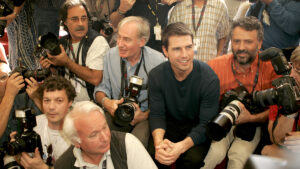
x=242, y=69
x=11, y=100
x=284, y=125
x=125, y=78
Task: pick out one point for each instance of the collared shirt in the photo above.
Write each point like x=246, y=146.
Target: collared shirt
x=214, y=25
x=222, y=66
x=111, y=82
x=137, y=156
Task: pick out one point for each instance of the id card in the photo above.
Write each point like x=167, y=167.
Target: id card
x=157, y=31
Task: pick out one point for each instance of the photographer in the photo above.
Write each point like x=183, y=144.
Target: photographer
x=130, y=57
x=83, y=50
x=286, y=132
x=10, y=100
x=57, y=95
x=241, y=68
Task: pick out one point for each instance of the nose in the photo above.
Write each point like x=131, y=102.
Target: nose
x=242, y=46
x=184, y=53
x=119, y=42
x=103, y=136
x=51, y=105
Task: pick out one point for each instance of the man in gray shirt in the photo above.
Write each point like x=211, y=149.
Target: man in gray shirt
x=138, y=60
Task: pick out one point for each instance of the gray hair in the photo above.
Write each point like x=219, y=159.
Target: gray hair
x=63, y=13
x=142, y=23
x=249, y=24
x=83, y=108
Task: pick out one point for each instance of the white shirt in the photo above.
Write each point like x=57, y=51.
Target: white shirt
x=49, y=136
x=137, y=156
x=94, y=60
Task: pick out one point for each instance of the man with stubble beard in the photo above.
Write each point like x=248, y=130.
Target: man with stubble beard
x=241, y=68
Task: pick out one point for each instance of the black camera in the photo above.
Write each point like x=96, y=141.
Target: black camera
x=230, y=110
x=102, y=24
x=47, y=43
x=286, y=93
x=6, y=8
x=28, y=139
x=125, y=111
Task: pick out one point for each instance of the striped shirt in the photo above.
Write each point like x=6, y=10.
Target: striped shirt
x=214, y=25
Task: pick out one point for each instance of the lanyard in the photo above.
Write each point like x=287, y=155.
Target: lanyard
x=124, y=80
x=201, y=16
x=152, y=11
x=255, y=79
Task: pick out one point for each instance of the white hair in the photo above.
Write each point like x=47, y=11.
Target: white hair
x=142, y=24
x=83, y=108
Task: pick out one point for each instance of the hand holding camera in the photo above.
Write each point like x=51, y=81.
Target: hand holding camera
x=245, y=116
x=14, y=84
x=111, y=105
x=61, y=59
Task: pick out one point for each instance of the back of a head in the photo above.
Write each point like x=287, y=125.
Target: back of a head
x=296, y=55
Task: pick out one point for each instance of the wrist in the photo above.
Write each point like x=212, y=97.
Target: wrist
x=103, y=100
x=121, y=12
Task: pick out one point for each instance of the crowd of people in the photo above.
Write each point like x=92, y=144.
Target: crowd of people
x=142, y=95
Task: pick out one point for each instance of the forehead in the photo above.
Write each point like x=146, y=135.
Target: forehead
x=129, y=29
x=55, y=93
x=94, y=121
x=241, y=33
x=78, y=10
x=180, y=40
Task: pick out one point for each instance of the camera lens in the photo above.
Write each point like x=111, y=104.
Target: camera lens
x=222, y=123
x=124, y=114
x=13, y=148
x=265, y=97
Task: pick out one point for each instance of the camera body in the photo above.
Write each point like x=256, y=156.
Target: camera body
x=286, y=93
x=47, y=43
x=28, y=139
x=125, y=111
x=6, y=8
x=103, y=24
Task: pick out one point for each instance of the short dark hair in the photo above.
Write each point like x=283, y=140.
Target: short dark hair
x=63, y=13
x=54, y=83
x=249, y=24
x=178, y=28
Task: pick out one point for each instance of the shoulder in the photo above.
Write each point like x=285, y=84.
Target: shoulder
x=204, y=70
x=153, y=57
x=220, y=62
x=66, y=160
x=159, y=70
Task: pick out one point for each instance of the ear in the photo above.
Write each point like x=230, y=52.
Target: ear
x=165, y=51
x=260, y=45
x=76, y=144
x=142, y=42
x=70, y=104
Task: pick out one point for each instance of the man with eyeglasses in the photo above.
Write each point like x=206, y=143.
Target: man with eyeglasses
x=10, y=100
x=286, y=132
x=57, y=95
x=82, y=52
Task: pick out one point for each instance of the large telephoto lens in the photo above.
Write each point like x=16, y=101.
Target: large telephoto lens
x=222, y=123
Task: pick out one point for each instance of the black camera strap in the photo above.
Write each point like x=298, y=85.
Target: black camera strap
x=255, y=79
x=124, y=80
x=75, y=58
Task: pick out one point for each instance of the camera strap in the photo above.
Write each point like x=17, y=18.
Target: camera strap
x=255, y=79
x=75, y=58
x=124, y=80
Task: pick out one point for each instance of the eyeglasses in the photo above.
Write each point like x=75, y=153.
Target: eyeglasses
x=75, y=19
x=3, y=77
x=49, y=160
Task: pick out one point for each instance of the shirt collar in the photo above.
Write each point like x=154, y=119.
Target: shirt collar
x=81, y=163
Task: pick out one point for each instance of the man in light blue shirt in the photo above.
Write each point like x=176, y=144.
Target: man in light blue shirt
x=130, y=57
